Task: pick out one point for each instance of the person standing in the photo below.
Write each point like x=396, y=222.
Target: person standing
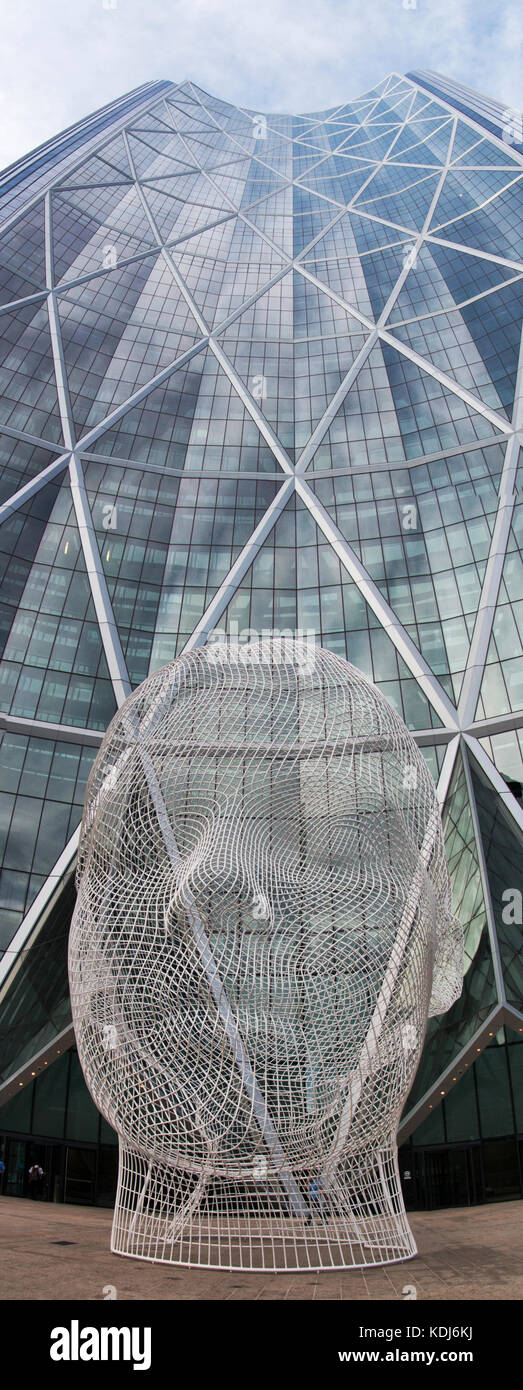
x=36, y=1178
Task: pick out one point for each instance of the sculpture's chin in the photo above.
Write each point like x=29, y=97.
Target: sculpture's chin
x=265, y=1222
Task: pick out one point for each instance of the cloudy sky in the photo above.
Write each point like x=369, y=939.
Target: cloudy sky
x=61, y=59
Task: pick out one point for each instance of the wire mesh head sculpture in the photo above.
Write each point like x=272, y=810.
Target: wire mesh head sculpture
x=263, y=926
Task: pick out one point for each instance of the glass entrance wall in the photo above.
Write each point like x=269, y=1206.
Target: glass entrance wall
x=54, y=1122
x=469, y=1150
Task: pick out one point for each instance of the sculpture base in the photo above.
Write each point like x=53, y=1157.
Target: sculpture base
x=355, y=1220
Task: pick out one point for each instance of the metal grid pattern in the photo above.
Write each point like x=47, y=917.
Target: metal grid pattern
x=263, y=924
x=231, y=344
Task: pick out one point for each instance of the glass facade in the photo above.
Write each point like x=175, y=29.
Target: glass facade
x=469, y=1150
x=263, y=372
x=54, y=1122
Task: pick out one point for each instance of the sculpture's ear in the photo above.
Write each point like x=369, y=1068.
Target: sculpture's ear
x=448, y=971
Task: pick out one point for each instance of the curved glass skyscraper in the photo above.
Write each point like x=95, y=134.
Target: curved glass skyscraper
x=263, y=373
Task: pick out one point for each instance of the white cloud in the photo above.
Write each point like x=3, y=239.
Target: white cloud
x=64, y=59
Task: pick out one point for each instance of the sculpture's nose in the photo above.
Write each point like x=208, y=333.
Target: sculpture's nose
x=229, y=865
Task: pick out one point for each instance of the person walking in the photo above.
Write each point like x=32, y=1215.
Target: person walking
x=36, y=1178
x=316, y=1197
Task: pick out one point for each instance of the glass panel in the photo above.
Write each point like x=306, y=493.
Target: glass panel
x=36, y=1005
x=80, y=1176
x=503, y=847
x=82, y=1115
x=50, y=1096
x=461, y=1116
x=515, y=1057
x=450, y=1032
x=16, y=1112
x=500, y=1164
x=495, y=1107
x=431, y=1130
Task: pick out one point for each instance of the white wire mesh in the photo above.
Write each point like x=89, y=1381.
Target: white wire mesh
x=263, y=925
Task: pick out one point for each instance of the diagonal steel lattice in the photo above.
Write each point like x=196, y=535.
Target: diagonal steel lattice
x=263, y=924
x=198, y=200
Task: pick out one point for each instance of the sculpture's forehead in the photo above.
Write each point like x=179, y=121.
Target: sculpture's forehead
x=267, y=737
x=244, y=704
x=305, y=768
x=240, y=726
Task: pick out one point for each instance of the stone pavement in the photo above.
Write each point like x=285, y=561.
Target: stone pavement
x=51, y=1252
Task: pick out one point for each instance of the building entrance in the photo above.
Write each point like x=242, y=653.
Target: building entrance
x=461, y=1175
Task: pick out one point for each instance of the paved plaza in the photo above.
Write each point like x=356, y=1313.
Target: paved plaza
x=62, y=1252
